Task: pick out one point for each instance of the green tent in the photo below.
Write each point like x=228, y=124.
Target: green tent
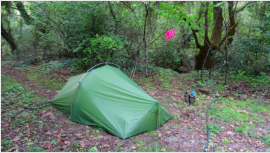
x=108, y=98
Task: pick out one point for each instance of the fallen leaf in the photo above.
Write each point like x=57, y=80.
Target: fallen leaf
x=168, y=132
x=67, y=142
x=26, y=114
x=50, y=145
x=133, y=147
x=48, y=90
x=78, y=135
x=12, y=149
x=51, y=117
x=48, y=133
x=16, y=139
x=230, y=133
x=82, y=144
x=208, y=97
x=105, y=146
x=217, y=94
x=100, y=137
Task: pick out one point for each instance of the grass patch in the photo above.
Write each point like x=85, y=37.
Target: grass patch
x=214, y=128
x=47, y=81
x=18, y=110
x=266, y=140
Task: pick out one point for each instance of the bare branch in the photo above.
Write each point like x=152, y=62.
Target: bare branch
x=224, y=38
x=243, y=7
x=153, y=29
x=196, y=39
x=206, y=24
x=134, y=15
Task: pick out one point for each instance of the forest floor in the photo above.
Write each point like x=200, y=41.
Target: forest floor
x=30, y=123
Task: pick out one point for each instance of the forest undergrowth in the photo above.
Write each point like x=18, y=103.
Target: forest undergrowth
x=237, y=123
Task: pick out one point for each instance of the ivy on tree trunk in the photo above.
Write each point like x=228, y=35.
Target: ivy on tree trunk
x=8, y=37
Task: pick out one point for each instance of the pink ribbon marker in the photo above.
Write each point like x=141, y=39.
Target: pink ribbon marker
x=170, y=34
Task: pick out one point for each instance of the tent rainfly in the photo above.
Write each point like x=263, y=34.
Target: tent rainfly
x=108, y=98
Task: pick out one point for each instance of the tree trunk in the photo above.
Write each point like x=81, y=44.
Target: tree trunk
x=8, y=37
x=23, y=12
x=199, y=59
x=203, y=59
x=232, y=23
x=216, y=40
x=146, y=58
x=114, y=18
x=145, y=41
x=218, y=23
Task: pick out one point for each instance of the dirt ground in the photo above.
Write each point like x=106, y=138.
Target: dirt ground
x=187, y=134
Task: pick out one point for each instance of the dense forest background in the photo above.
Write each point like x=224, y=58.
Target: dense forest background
x=225, y=36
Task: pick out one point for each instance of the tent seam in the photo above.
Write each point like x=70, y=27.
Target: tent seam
x=144, y=117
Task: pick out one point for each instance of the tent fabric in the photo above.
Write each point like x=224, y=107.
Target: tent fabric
x=108, y=98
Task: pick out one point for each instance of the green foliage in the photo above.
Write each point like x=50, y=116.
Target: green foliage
x=53, y=142
x=93, y=149
x=99, y=48
x=204, y=82
x=225, y=140
x=250, y=51
x=242, y=129
x=90, y=33
x=214, y=128
x=266, y=140
x=252, y=134
x=60, y=64
x=35, y=149
x=5, y=144
x=20, y=64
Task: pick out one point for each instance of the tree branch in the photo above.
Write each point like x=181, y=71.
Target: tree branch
x=8, y=37
x=153, y=29
x=243, y=7
x=224, y=38
x=206, y=24
x=23, y=12
x=146, y=15
x=134, y=15
x=114, y=17
x=196, y=39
